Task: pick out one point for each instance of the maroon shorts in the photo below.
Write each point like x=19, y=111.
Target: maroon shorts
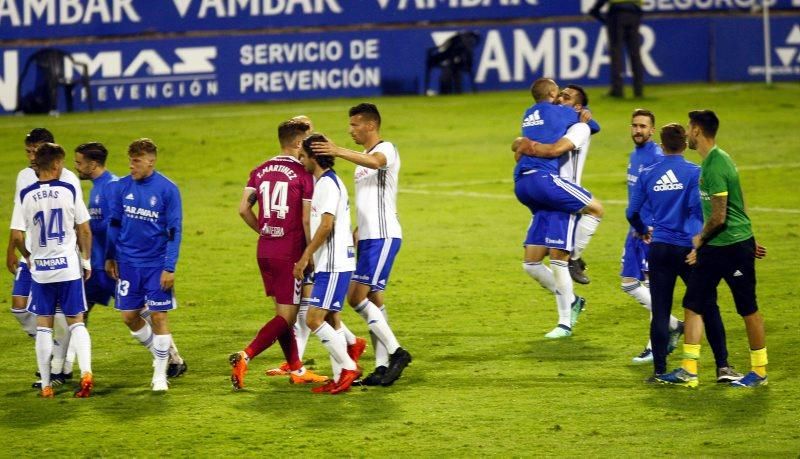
x=279, y=281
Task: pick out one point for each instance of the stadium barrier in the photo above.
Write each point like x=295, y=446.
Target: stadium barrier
x=257, y=67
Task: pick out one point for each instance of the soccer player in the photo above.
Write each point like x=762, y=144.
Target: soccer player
x=56, y=220
x=669, y=188
x=334, y=261
x=379, y=235
x=283, y=189
x=19, y=267
x=143, y=242
x=634, y=272
x=724, y=249
x=539, y=186
x=90, y=163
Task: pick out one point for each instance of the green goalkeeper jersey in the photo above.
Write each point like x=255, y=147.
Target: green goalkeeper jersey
x=719, y=177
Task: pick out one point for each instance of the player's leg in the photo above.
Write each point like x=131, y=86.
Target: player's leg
x=328, y=295
x=375, y=260
x=43, y=298
x=159, y=302
x=19, y=300
x=741, y=279
x=590, y=219
x=631, y=275
x=73, y=303
x=535, y=251
x=564, y=294
x=665, y=260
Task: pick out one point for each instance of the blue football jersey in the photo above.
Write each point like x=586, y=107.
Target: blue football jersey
x=145, y=226
x=544, y=122
x=100, y=216
x=671, y=188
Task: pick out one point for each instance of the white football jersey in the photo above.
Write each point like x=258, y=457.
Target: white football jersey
x=50, y=211
x=570, y=164
x=337, y=253
x=376, y=196
x=27, y=177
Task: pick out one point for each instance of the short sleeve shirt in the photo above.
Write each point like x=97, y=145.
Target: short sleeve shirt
x=719, y=177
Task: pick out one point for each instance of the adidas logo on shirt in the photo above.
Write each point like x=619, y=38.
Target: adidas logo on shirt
x=668, y=182
x=533, y=120
x=129, y=196
x=737, y=273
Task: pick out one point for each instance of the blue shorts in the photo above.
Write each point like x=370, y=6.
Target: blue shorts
x=330, y=290
x=140, y=287
x=99, y=288
x=68, y=295
x=546, y=191
x=555, y=230
x=375, y=260
x=634, y=258
x=22, y=281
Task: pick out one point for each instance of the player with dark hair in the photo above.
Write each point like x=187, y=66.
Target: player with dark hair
x=670, y=189
x=55, y=216
x=19, y=267
x=142, y=247
x=725, y=248
x=283, y=189
x=379, y=235
x=331, y=247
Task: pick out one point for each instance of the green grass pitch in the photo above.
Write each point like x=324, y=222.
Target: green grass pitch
x=484, y=381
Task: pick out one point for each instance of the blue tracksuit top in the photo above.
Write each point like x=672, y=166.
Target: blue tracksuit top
x=642, y=157
x=100, y=216
x=544, y=122
x=145, y=227
x=671, y=187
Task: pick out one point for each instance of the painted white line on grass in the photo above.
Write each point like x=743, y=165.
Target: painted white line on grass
x=510, y=196
x=505, y=181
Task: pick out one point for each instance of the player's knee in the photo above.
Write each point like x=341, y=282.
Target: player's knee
x=133, y=320
x=314, y=323
x=595, y=209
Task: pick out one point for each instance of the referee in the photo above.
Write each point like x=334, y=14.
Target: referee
x=670, y=186
x=724, y=249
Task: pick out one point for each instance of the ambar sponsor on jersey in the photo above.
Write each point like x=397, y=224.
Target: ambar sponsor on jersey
x=50, y=264
x=133, y=211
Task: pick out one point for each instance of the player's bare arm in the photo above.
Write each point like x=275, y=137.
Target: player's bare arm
x=373, y=161
x=17, y=241
x=12, y=262
x=585, y=115
x=307, y=220
x=249, y=199
x=715, y=222
x=323, y=231
x=84, y=235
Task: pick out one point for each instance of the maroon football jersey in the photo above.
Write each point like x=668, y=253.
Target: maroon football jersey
x=281, y=184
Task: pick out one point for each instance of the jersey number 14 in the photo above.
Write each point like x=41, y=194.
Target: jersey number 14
x=55, y=226
x=274, y=201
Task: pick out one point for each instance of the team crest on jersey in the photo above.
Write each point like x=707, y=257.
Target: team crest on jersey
x=153, y=201
x=97, y=199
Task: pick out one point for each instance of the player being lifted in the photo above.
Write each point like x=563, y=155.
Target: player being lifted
x=56, y=219
x=379, y=235
x=331, y=247
x=143, y=242
x=283, y=189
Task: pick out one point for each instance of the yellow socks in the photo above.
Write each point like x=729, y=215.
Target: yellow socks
x=691, y=352
x=758, y=360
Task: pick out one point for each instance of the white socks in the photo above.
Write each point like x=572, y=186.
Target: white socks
x=639, y=292
x=61, y=338
x=564, y=292
x=541, y=274
x=44, y=351
x=349, y=337
x=301, y=330
x=381, y=353
x=82, y=343
x=26, y=320
x=145, y=336
x=378, y=325
x=336, y=346
x=587, y=225
x=174, y=356
x=161, y=352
